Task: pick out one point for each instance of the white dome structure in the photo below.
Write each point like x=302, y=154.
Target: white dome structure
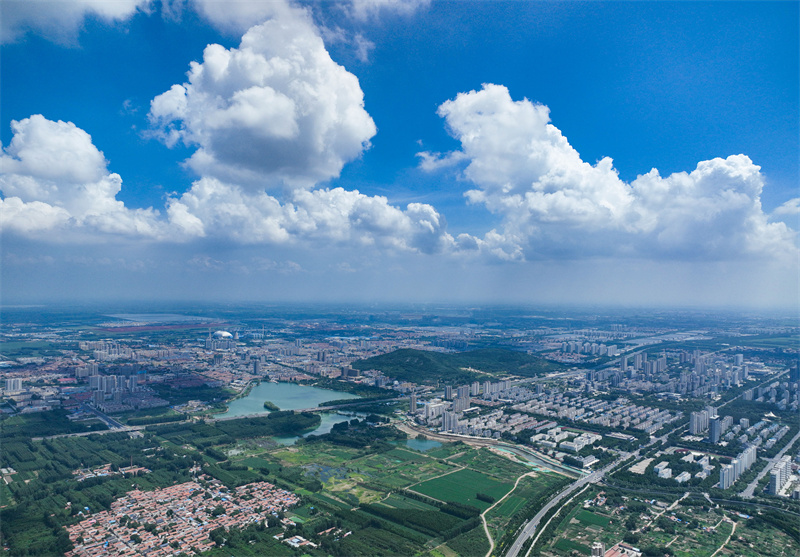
x=222, y=334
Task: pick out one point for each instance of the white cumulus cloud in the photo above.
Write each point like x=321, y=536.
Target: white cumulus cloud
x=275, y=111
x=554, y=204
x=59, y=20
x=791, y=207
x=56, y=186
x=53, y=177
x=335, y=216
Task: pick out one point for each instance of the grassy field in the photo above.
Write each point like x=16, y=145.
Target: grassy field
x=569, y=545
x=463, y=486
x=485, y=461
x=590, y=518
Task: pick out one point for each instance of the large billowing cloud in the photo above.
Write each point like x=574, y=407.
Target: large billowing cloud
x=54, y=179
x=320, y=217
x=275, y=111
x=554, y=204
x=56, y=186
x=59, y=20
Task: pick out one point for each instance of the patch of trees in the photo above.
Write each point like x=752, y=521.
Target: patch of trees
x=42, y=424
x=150, y=420
x=359, y=434
x=422, y=366
x=485, y=498
x=363, y=400
x=432, y=523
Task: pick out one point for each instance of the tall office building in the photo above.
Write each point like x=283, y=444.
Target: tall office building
x=714, y=429
x=413, y=403
x=463, y=391
x=448, y=392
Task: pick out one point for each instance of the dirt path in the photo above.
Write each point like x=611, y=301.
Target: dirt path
x=483, y=514
x=439, y=476
x=726, y=541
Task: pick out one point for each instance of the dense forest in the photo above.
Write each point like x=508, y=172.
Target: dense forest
x=422, y=366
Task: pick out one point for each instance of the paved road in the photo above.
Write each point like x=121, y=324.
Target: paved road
x=750, y=489
x=530, y=528
x=109, y=421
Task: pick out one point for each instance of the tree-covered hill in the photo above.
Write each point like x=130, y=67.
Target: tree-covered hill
x=421, y=366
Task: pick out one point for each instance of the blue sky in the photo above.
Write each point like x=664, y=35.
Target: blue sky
x=401, y=150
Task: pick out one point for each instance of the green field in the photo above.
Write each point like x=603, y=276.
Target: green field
x=463, y=486
x=591, y=518
x=489, y=463
x=403, y=455
x=569, y=545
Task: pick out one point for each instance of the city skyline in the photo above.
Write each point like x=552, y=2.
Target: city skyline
x=631, y=154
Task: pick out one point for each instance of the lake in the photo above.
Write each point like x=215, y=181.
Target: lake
x=328, y=421
x=422, y=445
x=289, y=396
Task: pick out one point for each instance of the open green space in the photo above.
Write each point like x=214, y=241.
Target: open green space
x=484, y=460
x=569, y=545
x=463, y=486
x=590, y=518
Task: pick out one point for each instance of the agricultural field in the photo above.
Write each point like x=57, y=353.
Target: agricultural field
x=418, y=496
x=453, y=487
x=528, y=490
x=687, y=530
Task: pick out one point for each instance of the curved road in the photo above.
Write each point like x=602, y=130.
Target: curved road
x=530, y=528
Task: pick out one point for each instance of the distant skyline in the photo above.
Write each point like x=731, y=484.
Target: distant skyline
x=617, y=153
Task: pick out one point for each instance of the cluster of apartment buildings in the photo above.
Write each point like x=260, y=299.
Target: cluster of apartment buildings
x=779, y=475
x=565, y=440
x=619, y=413
x=729, y=473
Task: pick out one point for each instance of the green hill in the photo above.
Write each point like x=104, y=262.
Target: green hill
x=422, y=366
